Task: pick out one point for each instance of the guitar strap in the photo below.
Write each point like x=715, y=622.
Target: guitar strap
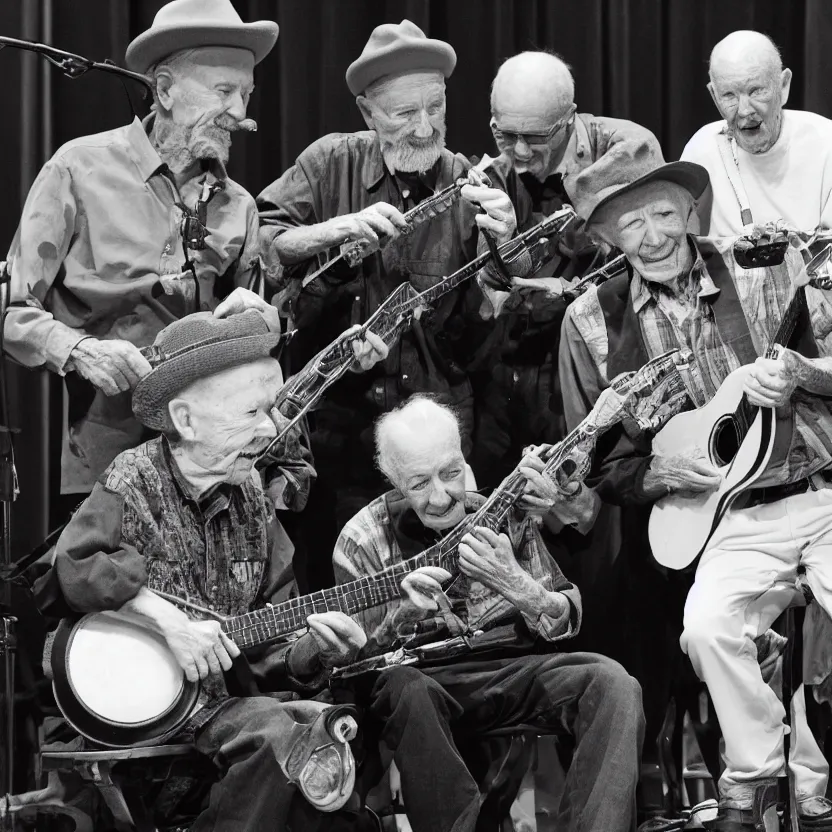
x=626, y=350
x=728, y=311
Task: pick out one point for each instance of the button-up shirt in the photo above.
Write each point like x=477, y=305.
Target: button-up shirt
x=764, y=294
x=388, y=531
x=141, y=526
x=100, y=228
x=345, y=173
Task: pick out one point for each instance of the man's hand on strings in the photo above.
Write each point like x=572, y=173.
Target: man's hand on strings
x=770, y=382
x=499, y=217
x=374, y=227
x=569, y=500
x=680, y=473
x=337, y=637
x=368, y=351
x=488, y=557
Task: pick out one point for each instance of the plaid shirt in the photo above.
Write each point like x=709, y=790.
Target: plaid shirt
x=764, y=294
x=141, y=527
x=373, y=539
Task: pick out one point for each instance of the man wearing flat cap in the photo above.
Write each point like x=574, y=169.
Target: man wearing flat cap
x=101, y=262
x=355, y=187
x=691, y=292
x=184, y=516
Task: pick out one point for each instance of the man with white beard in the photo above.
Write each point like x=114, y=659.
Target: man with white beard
x=355, y=187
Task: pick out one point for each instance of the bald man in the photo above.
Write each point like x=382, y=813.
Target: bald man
x=775, y=163
x=512, y=678
x=542, y=143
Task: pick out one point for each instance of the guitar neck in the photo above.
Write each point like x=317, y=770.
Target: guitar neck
x=274, y=622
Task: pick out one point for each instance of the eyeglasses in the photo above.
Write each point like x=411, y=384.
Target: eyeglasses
x=506, y=137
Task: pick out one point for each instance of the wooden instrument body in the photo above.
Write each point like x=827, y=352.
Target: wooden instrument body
x=681, y=525
x=117, y=682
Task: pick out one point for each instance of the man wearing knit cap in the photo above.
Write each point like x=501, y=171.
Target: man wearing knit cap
x=102, y=262
x=347, y=188
x=693, y=293
x=185, y=516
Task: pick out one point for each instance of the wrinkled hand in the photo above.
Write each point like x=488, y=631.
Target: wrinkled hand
x=111, y=366
x=488, y=557
x=680, y=473
x=499, y=217
x=373, y=227
x=337, y=636
x=368, y=351
x=421, y=587
x=242, y=299
x=201, y=648
x=570, y=501
x=770, y=382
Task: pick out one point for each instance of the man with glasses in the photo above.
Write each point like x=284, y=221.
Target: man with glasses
x=355, y=187
x=542, y=142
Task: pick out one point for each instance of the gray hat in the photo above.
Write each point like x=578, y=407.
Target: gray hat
x=627, y=166
x=194, y=347
x=188, y=24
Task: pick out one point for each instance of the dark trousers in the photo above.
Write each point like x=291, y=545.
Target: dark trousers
x=429, y=717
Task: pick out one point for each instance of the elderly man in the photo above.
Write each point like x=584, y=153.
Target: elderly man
x=185, y=515
x=99, y=263
x=354, y=188
x=690, y=292
x=543, y=143
x=766, y=163
x=512, y=678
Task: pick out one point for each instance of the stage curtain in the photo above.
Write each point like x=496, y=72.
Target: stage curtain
x=640, y=59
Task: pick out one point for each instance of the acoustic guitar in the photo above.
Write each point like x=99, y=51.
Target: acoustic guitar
x=737, y=438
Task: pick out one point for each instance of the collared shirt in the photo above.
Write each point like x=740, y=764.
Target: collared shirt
x=387, y=531
x=100, y=227
x=141, y=526
x=532, y=317
x=764, y=294
x=344, y=173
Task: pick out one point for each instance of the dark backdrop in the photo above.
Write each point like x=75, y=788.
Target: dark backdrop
x=639, y=59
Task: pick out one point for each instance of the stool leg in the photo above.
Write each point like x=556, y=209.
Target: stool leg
x=792, y=672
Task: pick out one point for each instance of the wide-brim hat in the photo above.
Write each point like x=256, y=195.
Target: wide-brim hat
x=394, y=49
x=188, y=24
x=627, y=166
x=195, y=347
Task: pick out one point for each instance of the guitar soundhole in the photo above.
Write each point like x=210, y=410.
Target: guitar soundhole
x=725, y=442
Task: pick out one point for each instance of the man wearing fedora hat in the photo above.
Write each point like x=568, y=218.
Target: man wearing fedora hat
x=102, y=261
x=185, y=515
x=690, y=292
x=355, y=187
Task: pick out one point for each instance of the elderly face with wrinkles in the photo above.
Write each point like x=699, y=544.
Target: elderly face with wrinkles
x=649, y=224
x=225, y=421
x=202, y=97
x=408, y=114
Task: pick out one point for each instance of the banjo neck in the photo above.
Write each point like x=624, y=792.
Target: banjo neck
x=273, y=622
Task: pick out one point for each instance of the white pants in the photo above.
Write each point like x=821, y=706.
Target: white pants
x=745, y=579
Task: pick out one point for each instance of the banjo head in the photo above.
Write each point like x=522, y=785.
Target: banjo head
x=117, y=682
x=121, y=671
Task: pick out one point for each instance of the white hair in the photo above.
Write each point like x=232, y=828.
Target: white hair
x=420, y=413
x=548, y=69
x=747, y=43
x=173, y=64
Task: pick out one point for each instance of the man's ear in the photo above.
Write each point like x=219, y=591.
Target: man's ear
x=366, y=111
x=180, y=415
x=712, y=91
x=785, y=85
x=164, y=81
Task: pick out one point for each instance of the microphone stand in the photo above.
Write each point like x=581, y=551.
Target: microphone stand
x=8, y=493
x=73, y=66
